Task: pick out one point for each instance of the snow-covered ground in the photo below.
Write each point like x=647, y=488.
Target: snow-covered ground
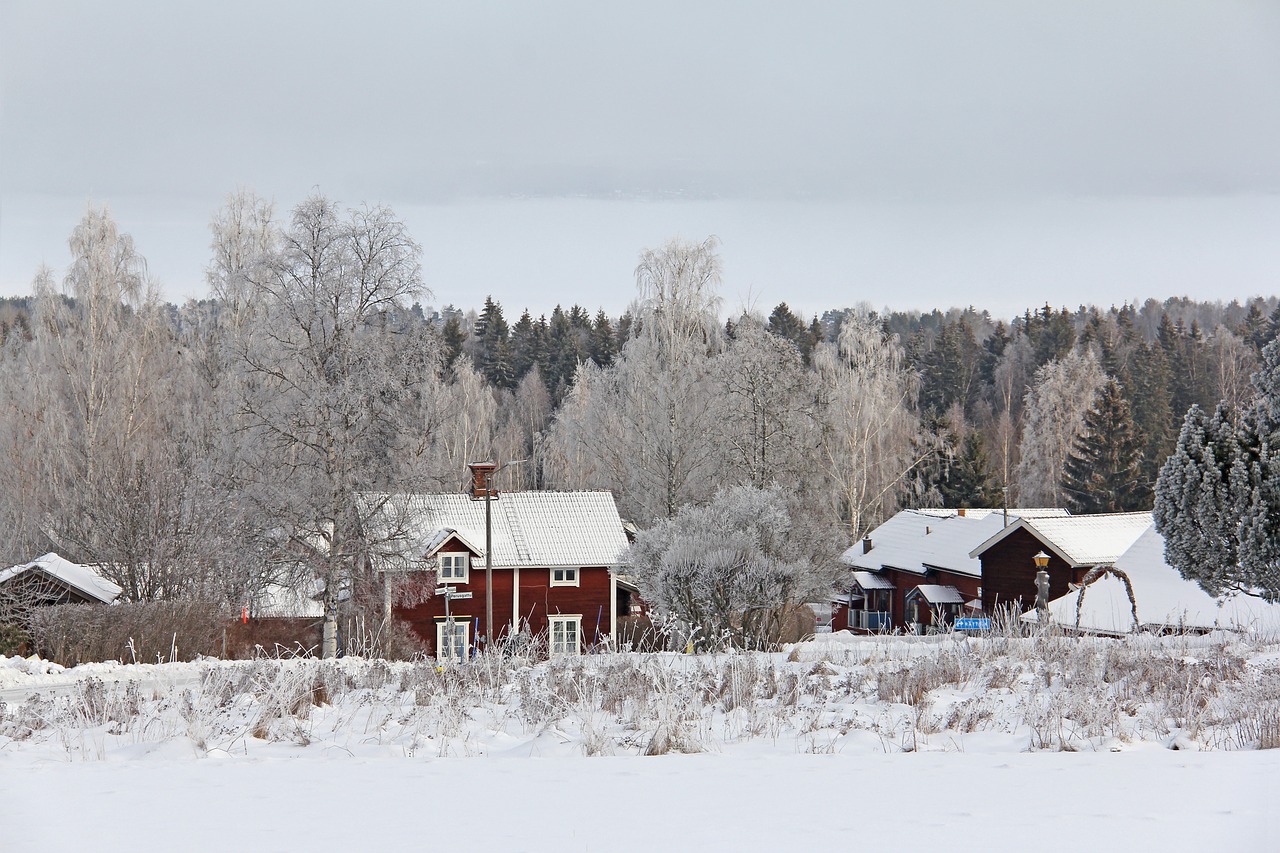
x=1001, y=744
x=1145, y=799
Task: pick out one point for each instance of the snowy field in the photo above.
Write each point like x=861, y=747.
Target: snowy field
x=999, y=744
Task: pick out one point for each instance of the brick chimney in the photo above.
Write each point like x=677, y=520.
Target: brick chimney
x=482, y=477
x=866, y=544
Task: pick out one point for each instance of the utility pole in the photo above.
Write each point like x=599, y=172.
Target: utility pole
x=482, y=476
x=488, y=558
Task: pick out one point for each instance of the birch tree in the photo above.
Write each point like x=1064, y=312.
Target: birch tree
x=107, y=464
x=868, y=394
x=649, y=419
x=330, y=370
x=768, y=424
x=1063, y=391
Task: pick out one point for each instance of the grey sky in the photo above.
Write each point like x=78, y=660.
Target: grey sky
x=1006, y=152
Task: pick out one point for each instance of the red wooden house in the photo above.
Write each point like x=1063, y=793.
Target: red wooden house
x=915, y=572
x=1074, y=544
x=554, y=563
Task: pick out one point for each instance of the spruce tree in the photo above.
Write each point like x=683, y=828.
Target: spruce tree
x=1148, y=383
x=528, y=346
x=454, y=338
x=1200, y=498
x=602, y=345
x=1102, y=473
x=968, y=481
x=1218, y=497
x=494, y=352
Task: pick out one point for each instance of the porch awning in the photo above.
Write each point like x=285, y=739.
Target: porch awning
x=937, y=594
x=871, y=580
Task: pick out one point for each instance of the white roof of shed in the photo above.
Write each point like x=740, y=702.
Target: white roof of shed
x=1163, y=596
x=1080, y=540
x=540, y=529
x=83, y=579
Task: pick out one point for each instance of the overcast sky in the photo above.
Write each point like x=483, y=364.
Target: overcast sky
x=914, y=154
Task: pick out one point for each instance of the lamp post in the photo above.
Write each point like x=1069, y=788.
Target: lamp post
x=1042, y=587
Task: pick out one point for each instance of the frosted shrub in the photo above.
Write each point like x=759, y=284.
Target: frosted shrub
x=1042, y=692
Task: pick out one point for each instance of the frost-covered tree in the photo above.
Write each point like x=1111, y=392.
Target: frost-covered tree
x=866, y=392
x=1201, y=499
x=110, y=462
x=1062, y=392
x=1217, y=501
x=331, y=376
x=727, y=571
x=768, y=426
x=645, y=427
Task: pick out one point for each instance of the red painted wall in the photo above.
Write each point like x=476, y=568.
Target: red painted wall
x=590, y=599
x=1009, y=573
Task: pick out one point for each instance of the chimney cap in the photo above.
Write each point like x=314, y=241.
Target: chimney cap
x=482, y=480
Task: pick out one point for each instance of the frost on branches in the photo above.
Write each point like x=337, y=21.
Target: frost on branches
x=1218, y=497
x=723, y=573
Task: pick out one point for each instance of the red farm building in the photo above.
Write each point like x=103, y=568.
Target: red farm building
x=554, y=563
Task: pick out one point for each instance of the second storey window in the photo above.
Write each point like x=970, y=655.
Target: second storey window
x=564, y=577
x=453, y=568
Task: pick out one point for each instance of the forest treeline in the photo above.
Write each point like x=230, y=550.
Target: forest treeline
x=212, y=447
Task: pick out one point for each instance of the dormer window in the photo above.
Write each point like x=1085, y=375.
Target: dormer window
x=453, y=568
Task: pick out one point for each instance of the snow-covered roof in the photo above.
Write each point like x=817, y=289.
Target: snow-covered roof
x=893, y=543
x=540, y=529
x=1080, y=540
x=443, y=535
x=281, y=601
x=947, y=546
x=1163, y=596
x=871, y=580
x=982, y=512
x=938, y=594
x=82, y=579
x=916, y=540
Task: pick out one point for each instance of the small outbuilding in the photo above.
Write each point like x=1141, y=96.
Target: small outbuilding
x=50, y=579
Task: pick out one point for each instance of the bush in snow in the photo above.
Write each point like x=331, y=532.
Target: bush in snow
x=724, y=574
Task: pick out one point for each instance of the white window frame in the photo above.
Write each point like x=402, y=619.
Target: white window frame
x=454, y=558
x=446, y=652
x=569, y=576
x=557, y=646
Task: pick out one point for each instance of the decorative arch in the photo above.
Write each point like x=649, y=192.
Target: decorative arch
x=1098, y=572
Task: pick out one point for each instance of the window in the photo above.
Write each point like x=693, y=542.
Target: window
x=564, y=577
x=452, y=639
x=453, y=567
x=565, y=634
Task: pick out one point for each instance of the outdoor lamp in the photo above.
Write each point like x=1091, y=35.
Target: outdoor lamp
x=1041, y=560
